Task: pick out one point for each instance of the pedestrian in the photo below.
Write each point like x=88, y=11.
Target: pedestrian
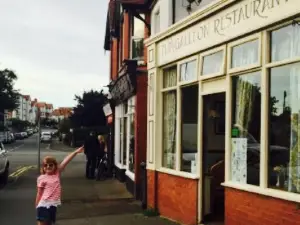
x=91, y=149
x=49, y=188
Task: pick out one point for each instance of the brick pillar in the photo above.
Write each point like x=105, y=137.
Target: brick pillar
x=140, y=129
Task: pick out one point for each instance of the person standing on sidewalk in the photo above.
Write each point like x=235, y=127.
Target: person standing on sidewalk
x=49, y=188
x=91, y=148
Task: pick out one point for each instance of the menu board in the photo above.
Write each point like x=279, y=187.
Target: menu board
x=239, y=160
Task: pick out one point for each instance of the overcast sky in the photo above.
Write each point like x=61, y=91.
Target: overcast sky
x=55, y=47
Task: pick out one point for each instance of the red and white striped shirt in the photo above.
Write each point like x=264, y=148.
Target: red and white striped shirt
x=52, y=190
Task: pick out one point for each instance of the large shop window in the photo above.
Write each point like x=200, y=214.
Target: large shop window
x=245, y=132
x=185, y=125
x=126, y=136
x=284, y=112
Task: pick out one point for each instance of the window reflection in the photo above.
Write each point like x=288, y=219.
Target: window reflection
x=284, y=143
x=189, y=126
x=245, y=141
x=188, y=71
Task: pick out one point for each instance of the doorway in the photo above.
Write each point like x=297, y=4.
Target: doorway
x=213, y=147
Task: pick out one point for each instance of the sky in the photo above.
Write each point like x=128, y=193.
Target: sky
x=55, y=47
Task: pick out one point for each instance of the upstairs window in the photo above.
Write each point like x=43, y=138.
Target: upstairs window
x=156, y=22
x=137, y=39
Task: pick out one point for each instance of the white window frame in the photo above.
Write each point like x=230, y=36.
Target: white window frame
x=262, y=188
x=177, y=171
x=132, y=37
x=131, y=111
x=208, y=53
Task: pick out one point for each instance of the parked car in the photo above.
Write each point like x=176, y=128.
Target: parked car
x=18, y=136
x=4, y=165
x=24, y=134
x=46, y=137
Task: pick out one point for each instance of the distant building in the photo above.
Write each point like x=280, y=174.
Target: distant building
x=61, y=113
x=24, y=108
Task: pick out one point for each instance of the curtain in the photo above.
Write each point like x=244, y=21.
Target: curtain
x=169, y=128
x=244, y=103
x=245, y=54
x=170, y=77
x=294, y=165
x=169, y=119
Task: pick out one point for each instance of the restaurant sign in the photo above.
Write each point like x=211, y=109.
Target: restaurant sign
x=234, y=21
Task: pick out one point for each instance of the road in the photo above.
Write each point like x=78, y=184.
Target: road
x=17, y=198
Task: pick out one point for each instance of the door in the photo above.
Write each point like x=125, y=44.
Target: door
x=213, y=151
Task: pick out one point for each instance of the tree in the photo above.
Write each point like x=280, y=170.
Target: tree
x=64, y=125
x=8, y=95
x=48, y=122
x=89, y=110
x=19, y=125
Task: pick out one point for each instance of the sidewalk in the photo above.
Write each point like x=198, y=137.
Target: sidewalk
x=89, y=202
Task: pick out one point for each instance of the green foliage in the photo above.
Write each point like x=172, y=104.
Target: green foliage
x=48, y=122
x=150, y=212
x=64, y=126
x=8, y=95
x=89, y=110
x=19, y=125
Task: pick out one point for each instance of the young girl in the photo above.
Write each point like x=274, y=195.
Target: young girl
x=49, y=188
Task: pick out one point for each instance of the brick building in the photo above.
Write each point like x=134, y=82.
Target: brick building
x=127, y=27
x=223, y=111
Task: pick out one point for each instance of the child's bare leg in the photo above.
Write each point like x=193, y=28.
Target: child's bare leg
x=42, y=223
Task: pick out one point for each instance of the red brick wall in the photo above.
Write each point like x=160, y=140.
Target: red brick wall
x=140, y=125
x=245, y=208
x=114, y=59
x=126, y=35
x=176, y=197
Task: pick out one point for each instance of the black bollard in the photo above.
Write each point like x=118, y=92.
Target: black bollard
x=144, y=184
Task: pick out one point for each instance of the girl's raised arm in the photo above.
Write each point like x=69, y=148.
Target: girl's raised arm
x=69, y=158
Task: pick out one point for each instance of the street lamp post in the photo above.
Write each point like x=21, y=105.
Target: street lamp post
x=39, y=142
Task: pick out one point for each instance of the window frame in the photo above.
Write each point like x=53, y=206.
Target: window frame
x=211, y=52
x=266, y=64
x=133, y=37
x=177, y=88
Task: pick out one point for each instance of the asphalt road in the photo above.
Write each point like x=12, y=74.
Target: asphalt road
x=18, y=196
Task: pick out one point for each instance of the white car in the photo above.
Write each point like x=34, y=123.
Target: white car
x=46, y=137
x=4, y=165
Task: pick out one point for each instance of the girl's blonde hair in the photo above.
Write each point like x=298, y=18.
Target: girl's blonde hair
x=49, y=159
x=101, y=138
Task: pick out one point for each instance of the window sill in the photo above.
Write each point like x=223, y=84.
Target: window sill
x=288, y=196
x=120, y=166
x=178, y=173
x=130, y=174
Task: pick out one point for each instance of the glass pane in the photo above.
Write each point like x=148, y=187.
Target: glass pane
x=284, y=139
x=121, y=139
x=156, y=22
x=188, y=71
x=245, y=133
x=138, y=27
x=125, y=141
x=285, y=43
x=138, y=48
x=170, y=77
x=212, y=63
x=131, y=143
x=169, y=129
x=245, y=54
x=189, y=128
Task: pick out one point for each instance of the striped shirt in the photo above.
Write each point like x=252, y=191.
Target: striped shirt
x=52, y=190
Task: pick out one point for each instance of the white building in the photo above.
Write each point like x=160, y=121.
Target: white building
x=24, y=108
